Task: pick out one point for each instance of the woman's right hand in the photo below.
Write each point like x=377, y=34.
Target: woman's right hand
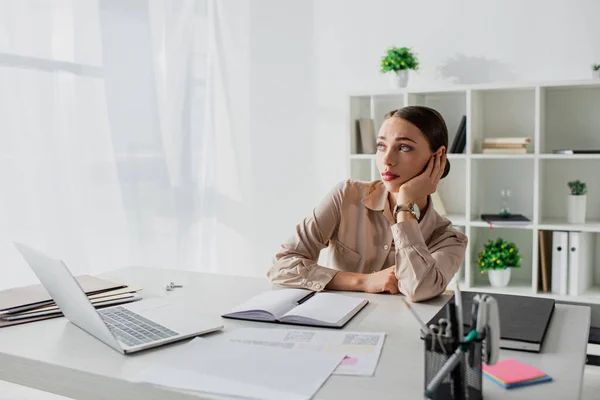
x=382, y=281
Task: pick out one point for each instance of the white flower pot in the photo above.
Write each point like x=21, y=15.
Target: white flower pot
x=398, y=79
x=499, y=277
x=596, y=74
x=576, y=209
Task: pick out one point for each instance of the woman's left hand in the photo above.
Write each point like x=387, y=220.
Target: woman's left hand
x=424, y=184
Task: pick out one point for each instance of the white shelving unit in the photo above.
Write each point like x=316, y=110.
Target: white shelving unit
x=555, y=115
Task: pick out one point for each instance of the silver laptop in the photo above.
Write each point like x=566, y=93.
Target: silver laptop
x=126, y=328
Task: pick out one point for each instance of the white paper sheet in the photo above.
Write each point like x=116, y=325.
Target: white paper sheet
x=235, y=369
x=361, y=349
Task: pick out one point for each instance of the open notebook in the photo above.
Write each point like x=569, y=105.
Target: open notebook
x=299, y=306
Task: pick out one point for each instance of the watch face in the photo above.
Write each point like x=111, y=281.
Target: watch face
x=417, y=211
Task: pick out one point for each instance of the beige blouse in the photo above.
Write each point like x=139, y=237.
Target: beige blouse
x=356, y=224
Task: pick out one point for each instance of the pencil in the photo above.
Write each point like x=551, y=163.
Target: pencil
x=459, y=314
x=423, y=326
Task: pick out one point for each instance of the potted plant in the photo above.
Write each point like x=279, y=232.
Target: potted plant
x=596, y=71
x=397, y=62
x=576, y=202
x=497, y=258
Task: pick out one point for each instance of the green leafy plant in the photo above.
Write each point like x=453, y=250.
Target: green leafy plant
x=596, y=67
x=399, y=58
x=577, y=187
x=499, y=254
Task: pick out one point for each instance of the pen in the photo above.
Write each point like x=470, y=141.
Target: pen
x=459, y=314
x=423, y=326
x=308, y=296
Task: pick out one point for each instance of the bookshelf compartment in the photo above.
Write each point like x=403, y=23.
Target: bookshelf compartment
x=452, y=106
x=554, y=175
x=589, y=267
x=520, y=279
x=570, y=118
x=452, y=189
x=491, y=176
x=360, y=107
x=382, y=104
x=502, y=113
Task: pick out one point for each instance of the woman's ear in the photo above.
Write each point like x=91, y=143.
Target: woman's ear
x=442, y=150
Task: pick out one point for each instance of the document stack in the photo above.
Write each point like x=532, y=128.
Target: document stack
x=33, y=303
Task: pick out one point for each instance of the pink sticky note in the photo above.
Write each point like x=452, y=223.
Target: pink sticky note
x=349, y=361
x=512, y=371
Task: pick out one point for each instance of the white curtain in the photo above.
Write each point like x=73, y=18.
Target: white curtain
x=103, y=134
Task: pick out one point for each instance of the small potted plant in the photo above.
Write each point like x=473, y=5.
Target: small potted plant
x=596, y=71
x=397, y=62
x=497, y=258
x=576, y=202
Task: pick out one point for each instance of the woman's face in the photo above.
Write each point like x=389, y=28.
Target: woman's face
x=402, y=152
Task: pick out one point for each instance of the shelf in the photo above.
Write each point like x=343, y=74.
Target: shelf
x=457, y=219
x=592, y=295
x=479, y=156
x=483, y=224
x=521, y=289
x=569, y=156
x=362, y=156
x=561, y=224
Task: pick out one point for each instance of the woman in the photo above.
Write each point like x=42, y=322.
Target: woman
x=383, y=236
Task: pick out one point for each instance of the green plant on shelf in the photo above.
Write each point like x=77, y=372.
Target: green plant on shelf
x=499, y=254
x=596, y=67
x=399, y=58
x=577, y=187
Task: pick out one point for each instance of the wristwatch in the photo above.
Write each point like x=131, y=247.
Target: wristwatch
x=412, y=208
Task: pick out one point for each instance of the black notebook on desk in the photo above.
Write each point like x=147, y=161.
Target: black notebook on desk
x=299, y=307
x=524, y=320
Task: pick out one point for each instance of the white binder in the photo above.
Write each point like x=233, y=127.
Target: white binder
x=580, y=260
x=560, y=262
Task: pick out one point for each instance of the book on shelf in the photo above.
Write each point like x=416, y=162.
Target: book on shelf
x=507, y=140
x=545, y=261
x=299, y=307
x=365, y=127
x=521, y=150
x=511, y=219
x=576, y=151
x=460, y=139
x=504, y=146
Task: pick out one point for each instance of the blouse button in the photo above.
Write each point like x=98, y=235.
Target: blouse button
x=386, y=247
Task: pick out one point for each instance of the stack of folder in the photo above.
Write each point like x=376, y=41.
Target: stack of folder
x=513, y=373
x=33, y=303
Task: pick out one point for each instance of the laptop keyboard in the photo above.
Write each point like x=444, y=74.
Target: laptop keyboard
x=131, y=328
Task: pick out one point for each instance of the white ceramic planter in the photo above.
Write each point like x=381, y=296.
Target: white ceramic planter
x=398, y=79
x=499, y=277
x=576, y=209
x=596, y=74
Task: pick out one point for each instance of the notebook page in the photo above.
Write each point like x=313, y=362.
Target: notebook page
x=275, y=302
x=325, y=307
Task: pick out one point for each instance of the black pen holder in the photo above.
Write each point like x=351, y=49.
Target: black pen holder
x=464, y=382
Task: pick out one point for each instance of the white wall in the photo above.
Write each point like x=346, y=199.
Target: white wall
x=304, y=57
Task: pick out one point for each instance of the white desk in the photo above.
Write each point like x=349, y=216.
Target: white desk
x=56, y=356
